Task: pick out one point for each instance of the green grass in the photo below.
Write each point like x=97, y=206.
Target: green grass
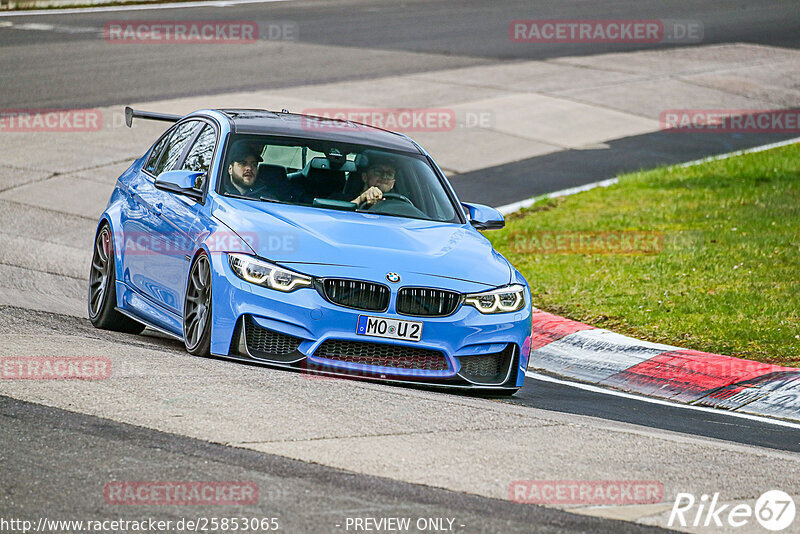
x=727, y=279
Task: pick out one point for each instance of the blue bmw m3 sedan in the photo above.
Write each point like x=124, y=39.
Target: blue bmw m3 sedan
x=325, y=246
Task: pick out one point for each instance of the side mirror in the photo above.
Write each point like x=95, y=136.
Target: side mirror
x=187, y=183
x=483, y=217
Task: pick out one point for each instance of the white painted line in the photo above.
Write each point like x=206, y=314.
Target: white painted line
x=36, y=26
x=604, y=391
x=141, y=7
x=516, y=206
x=740, y=152
x=50, y=27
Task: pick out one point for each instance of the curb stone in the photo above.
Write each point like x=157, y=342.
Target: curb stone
x=583, y=352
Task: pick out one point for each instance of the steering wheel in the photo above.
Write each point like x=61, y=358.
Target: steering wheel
x=388, y=196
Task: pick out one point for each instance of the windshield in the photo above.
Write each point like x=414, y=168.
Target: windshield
x=330, y=175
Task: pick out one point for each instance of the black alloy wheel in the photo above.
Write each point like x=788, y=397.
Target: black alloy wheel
x=197, y=308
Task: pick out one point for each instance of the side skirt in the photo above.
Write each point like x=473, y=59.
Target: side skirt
x=148, y=324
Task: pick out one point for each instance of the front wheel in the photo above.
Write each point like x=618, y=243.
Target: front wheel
x=103, y=288
x=197, y=308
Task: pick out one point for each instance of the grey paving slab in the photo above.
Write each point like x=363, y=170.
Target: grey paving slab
x=11, y=177
x=21, y=152
x=105, y=174
x=64, y=194
x=530, y=76
x=37, y=290
x=39, y=224
x=561, y=122
x=686, y=60
x=470, y=149
x=778, y=83
x=425, y=90
x=650, y=98
x=62, y=152
x=46, y=256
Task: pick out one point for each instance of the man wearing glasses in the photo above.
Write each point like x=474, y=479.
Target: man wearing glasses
x=243, y=171
x=378, y=179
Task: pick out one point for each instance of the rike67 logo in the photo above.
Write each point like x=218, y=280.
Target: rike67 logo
x=774, y=510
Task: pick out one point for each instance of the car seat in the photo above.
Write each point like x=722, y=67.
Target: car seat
x=319, y=180
x=276, y=183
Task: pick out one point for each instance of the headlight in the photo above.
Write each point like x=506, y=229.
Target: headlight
x=266, y=274
x=502, y=300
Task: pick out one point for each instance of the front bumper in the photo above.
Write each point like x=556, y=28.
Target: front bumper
x=467, y=340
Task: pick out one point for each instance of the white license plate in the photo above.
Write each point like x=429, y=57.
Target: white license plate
x=391, y=328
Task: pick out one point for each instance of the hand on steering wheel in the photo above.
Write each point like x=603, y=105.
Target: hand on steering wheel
x=370, y=196
x=382, y=197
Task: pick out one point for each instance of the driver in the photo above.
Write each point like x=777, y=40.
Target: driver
x=378, y=179
x=243, y=170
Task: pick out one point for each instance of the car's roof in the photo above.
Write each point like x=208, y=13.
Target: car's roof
x=260, y=121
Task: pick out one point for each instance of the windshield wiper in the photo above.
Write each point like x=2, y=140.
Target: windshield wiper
x=263, y=199
x=232, y=195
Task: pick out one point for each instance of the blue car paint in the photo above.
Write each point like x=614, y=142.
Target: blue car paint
x=312, y=235
x=317, y=242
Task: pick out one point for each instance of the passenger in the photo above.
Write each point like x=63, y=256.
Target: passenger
x=243, y=171
x=378, y=179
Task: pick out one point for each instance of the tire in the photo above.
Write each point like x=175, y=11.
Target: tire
x=102, y=299
x=197, y=308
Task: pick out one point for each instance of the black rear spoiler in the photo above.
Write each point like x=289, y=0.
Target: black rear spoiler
x=130, y=113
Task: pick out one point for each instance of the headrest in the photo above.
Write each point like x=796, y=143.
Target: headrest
x=322, y=163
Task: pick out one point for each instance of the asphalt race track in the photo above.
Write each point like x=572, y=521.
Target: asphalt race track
x=415, y=36
x=304, y=497
x=322, y=451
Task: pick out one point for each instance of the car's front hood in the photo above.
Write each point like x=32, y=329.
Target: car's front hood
x=292, y=235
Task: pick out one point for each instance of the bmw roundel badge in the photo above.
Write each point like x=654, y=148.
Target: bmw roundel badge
x=393, y=277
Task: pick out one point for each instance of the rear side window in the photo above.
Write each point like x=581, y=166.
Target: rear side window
x=180, y=137
x=199, y=157
x=150, y=166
